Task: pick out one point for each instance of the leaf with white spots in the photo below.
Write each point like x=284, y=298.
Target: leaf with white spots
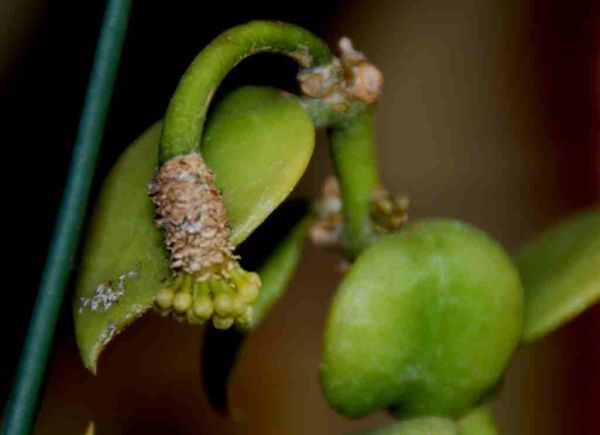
x=258, y=142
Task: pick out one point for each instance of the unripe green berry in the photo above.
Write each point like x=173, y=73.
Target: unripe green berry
x=246, y=318
x=192, y=319
x=222, y=322
x=223, y=304
x=182, y=301
x=238, y=306
x=164, y=298
x=203, y=307
x=249, y=290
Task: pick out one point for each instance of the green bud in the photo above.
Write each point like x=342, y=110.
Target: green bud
x=164, y=298
x=224, y=304
x=222, y=322
x=192, y=319
x=238, y=306
x=249, y=288
x=246, y=318
x=182, y=301
x=203, y=307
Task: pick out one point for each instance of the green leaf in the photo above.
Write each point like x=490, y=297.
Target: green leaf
x=258, y=152
x=480, y=421
x=560, y=270
x=418, y=426
x=425, y=323
x=123, y=260
x=259, y=142
x=276, y=267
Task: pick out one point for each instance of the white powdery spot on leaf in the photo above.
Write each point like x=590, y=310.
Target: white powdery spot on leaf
x=136, y=311
x=107, y=293
x=108, y=334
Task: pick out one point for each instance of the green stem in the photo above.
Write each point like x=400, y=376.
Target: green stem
x=325, y=114
x=356, y=168
x=184, y=120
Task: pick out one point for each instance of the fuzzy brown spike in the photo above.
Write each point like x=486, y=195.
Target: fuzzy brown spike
x=191, y=211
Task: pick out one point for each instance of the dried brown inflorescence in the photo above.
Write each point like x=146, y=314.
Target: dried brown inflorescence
x=363, y=80
x=388, y=213
x=191, y=211
x=351, y=77
x=208, y=282
x=327, y=230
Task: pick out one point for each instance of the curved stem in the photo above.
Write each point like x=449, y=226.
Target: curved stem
x=356, y=168
x=326, y=114
x=184, y=120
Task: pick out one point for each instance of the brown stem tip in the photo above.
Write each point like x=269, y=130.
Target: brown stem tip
x=208, y=281
x=349, y=77
x=191, y=211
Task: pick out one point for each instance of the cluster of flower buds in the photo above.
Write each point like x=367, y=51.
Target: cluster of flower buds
x=388, y=212
x=349, y=77
x=226, y=300
x=208, y=281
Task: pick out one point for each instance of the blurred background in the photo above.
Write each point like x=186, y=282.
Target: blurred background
x=490, y=114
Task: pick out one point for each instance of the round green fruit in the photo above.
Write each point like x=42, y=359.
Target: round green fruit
x=424, y=323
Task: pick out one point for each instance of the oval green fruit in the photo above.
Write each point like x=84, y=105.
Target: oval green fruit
x=479, y=421
x=424, y=323
x=560, y=270
x=258, y=152
x=418, y=426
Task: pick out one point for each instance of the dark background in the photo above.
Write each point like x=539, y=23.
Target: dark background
x=490, y=114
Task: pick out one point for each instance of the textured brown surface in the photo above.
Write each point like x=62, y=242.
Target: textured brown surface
x=192, y=214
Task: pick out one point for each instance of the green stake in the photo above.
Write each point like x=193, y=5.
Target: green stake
x=22, y=403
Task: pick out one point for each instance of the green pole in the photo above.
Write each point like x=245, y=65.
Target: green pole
x=22, y=403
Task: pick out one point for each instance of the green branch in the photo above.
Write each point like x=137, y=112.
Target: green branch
x=356, y=168
x=350, y=125
x=184, y=120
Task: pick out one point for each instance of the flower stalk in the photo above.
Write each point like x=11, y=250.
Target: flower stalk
x=208, y=281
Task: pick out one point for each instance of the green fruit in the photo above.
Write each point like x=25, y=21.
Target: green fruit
x=258, y=142
x=560, y=270
x=480, y=421
x=418, y=426
x=424, y=323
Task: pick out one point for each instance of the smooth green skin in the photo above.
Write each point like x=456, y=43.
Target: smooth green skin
x=355, y=165
x=560, y=270
x=480, y=421
x=257, y=171
x=255, y=174
x=418, y=426
x=424, y=323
